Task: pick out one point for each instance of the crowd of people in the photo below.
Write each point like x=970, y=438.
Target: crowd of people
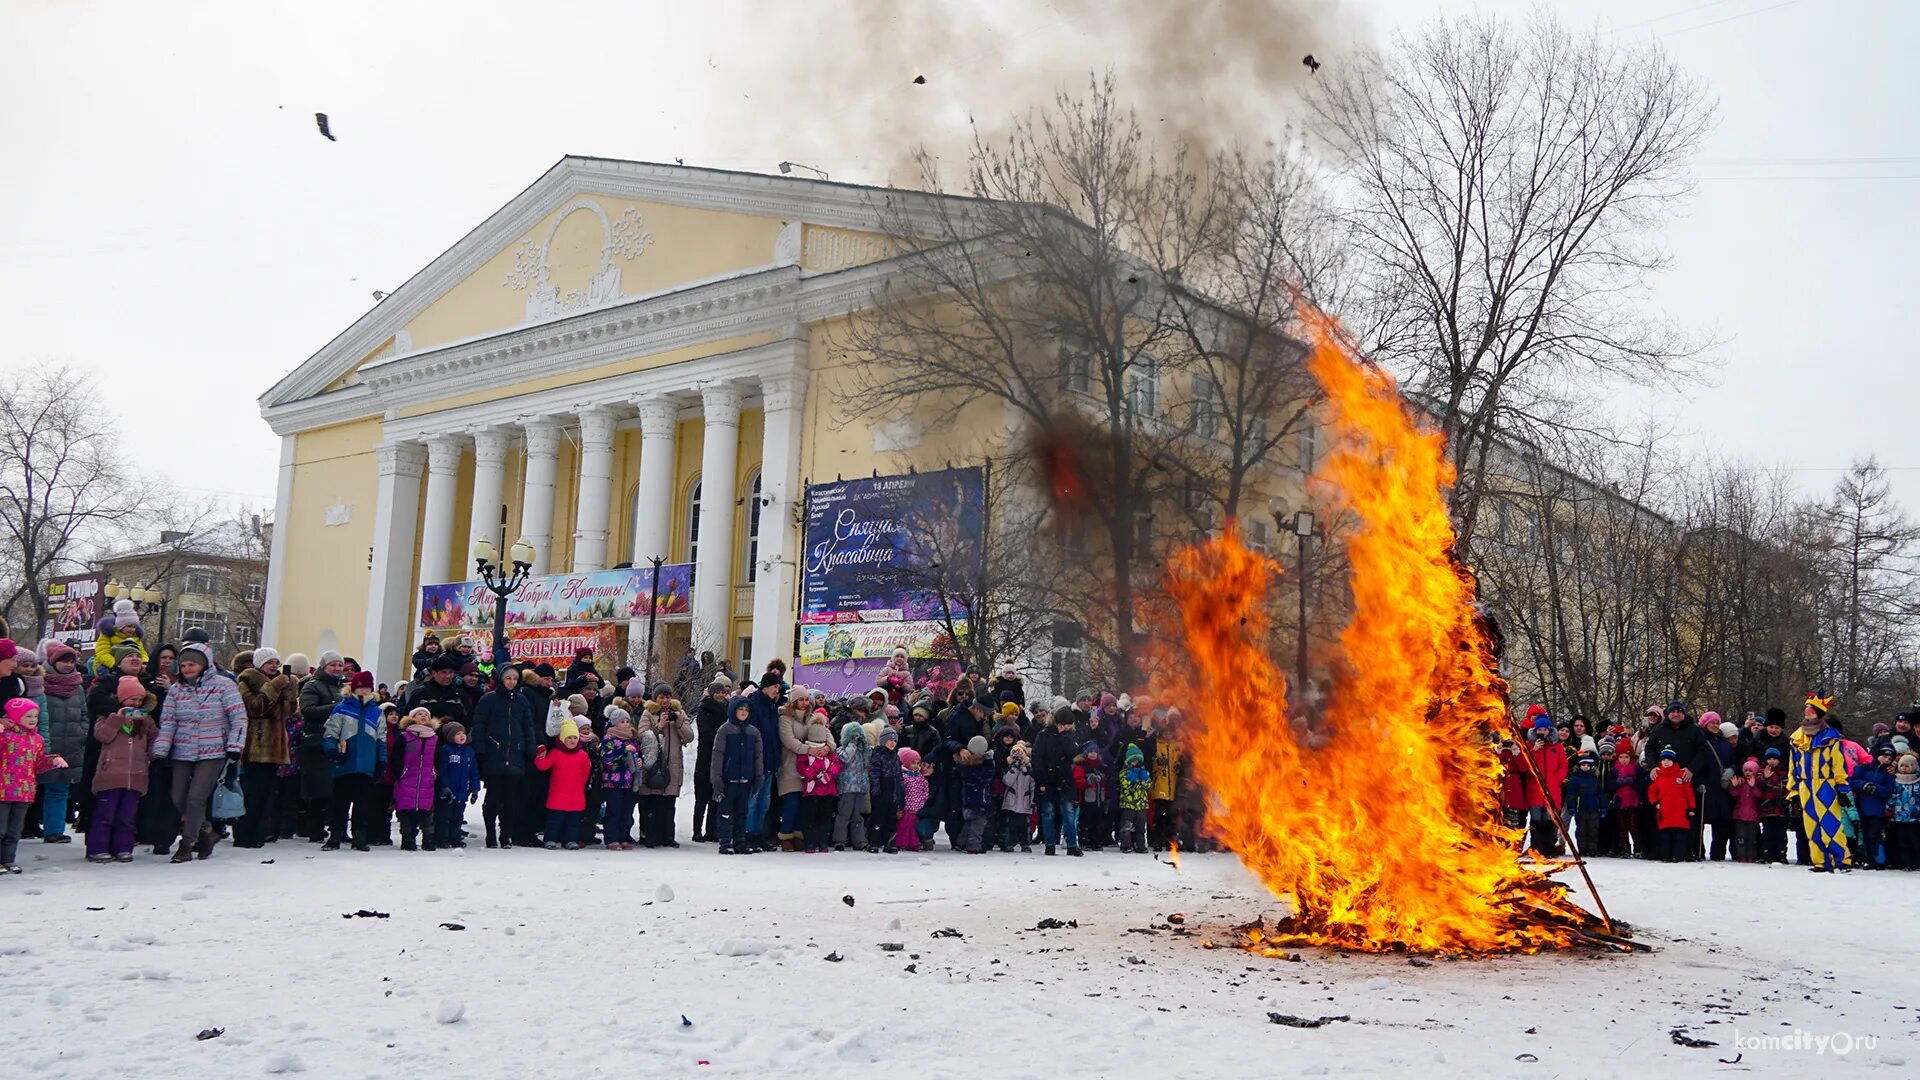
x=172, y=751
x=1677, y=788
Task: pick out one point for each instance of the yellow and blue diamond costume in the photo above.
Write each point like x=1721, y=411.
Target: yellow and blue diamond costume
x=1818, y=779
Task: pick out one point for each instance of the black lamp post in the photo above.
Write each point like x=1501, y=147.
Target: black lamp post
x=501, y=581
x=653, y=612
x=1301, y=525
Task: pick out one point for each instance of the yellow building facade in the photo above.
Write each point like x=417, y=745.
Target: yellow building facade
x=634, y=359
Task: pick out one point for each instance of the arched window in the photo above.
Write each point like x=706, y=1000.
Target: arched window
x=693, y=524
x=752, y=570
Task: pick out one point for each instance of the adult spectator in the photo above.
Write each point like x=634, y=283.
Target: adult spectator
x=273, y=702
x=440, y=694
x=203, y=725
x=503, y=737
x=708, y=718
x=318, y=696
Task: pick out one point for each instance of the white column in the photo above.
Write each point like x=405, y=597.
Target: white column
x=536, y=506
x=594, y=500
x=653, y=510
x=490, y=447
x=783, y=397
x=388, y=640
x=436, y=531
x=719, y=460
x=277, y=549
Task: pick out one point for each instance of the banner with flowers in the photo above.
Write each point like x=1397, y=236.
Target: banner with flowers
x=831, y=643
x=563, y=599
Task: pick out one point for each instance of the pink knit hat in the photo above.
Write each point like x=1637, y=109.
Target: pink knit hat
x=18, y=709
x=130, y=687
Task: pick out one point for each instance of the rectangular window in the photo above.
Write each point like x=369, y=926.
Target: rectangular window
x=244, y=635
x=1076, y=364
x=745, y=666
x=1309, y=446
x=1259, y=536
x=1206, y=407
x=203, y=581
x=213, y=623
x=255, y=590
x=1143, y=387
x=1067, y=670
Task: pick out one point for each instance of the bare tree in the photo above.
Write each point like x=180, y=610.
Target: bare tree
x=1502, y=184
x=61, y=484
x=1869, y=615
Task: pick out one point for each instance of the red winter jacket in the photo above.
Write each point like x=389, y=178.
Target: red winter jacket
x=567, y=790
x=1515, y=780
x=1672, y=795
x=1551, y=760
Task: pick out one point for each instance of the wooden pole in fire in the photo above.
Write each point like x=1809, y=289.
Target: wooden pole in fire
x=1553, y=807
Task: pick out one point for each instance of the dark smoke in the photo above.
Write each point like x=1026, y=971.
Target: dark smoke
x=835, y=82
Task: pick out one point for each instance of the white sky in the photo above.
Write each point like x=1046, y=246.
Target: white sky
x=177, y=231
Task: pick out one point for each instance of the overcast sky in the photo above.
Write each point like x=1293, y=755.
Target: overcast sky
x=178, y=233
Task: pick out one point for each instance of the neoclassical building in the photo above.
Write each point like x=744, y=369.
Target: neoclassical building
x=634, y=359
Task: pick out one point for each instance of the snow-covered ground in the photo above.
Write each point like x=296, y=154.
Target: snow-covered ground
x=585, y=964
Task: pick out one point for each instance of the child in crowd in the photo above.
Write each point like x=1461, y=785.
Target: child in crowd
x=456, y=772
x=738, y=764
x=913, y=788
x=1872, y=782
x=975, y=763
x=1672, y=798
x=1625, y=784
x=1903, y=814
x=1746, y=812
x=619, y=766
x=1016, y=798
x=23, y=757
x=849, y=830
x=1581, y=798
x=1135, y=784
x=819, y=787
x=884, y=788
x=568, y=768
x=120, y=775
x=1773, y=807
x=413, y=782
x=1090, y=784
x=355, y=740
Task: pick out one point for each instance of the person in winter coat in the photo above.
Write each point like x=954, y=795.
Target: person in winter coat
x=1516, y=784
x=1673, y=801
x=884, y=791
x=736, y=767
x=23, y=759
x=819, y=787
x=1016, y=798
x=1090, y=779
x=666, y=725
x=1774, y=809
x=415, y=787
x=272, y=702
x=1903, y=814
x=569, y=767
x=1872, y=783
x=1007, y=688
x=976, y=776
x=1623, y=785
x=203, y=725
x=425, y=656
x=582, y=666
x=63, y=723
x=1164, y=762
x=1817, y=780
x=855, y=753
x=1135, y=783
x=318, y=696
x=913, y=796
x=355, y=740
x=456, y=785
x=120, y=775
x=763, y=709
x=1713, y=782
x=1745, y=797
x=794, y=745
x=119, y=629
x=620, y=763
x=1581, y=798
x=504, y=735
x=102, y=700
x=925, y=736
x=1543, y=797
x=1053, y=784
x=440, y=693
x=708, y=717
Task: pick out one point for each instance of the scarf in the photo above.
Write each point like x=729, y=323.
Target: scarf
x=63, y=686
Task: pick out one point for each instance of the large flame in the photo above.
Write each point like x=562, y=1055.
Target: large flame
x=1379, y=826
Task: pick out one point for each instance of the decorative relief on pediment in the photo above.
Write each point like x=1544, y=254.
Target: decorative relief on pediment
x=622, y=239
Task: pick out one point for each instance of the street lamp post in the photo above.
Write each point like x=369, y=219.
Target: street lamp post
x=1301, y=526
x=653, y=612
x=501, y=581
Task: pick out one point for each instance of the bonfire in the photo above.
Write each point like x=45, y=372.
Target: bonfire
x=1377, y=823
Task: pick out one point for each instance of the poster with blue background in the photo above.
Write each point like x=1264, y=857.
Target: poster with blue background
x=881, y=549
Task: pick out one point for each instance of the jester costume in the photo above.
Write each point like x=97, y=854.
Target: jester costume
x=1818, y=780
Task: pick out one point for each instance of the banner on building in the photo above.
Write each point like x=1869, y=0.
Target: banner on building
x=885, y=548
x=74, y=604
x=825, y=643
x=607, y=596
x=554, y=645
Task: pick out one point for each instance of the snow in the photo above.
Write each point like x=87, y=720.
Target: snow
x=570, y=965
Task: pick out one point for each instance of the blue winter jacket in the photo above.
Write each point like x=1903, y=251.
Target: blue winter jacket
x=361, y=729
x=1903, y=803
x=457, y=772
x=1583, y=794
x=1871, y=786
x=764, y=713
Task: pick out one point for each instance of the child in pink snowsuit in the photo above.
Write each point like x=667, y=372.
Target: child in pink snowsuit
x=913, y=785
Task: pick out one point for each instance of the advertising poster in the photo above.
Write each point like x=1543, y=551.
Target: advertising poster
x=549, y=644
x=562, y=599
x=74, y=604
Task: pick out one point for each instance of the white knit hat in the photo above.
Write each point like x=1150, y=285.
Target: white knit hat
x=264, y=653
